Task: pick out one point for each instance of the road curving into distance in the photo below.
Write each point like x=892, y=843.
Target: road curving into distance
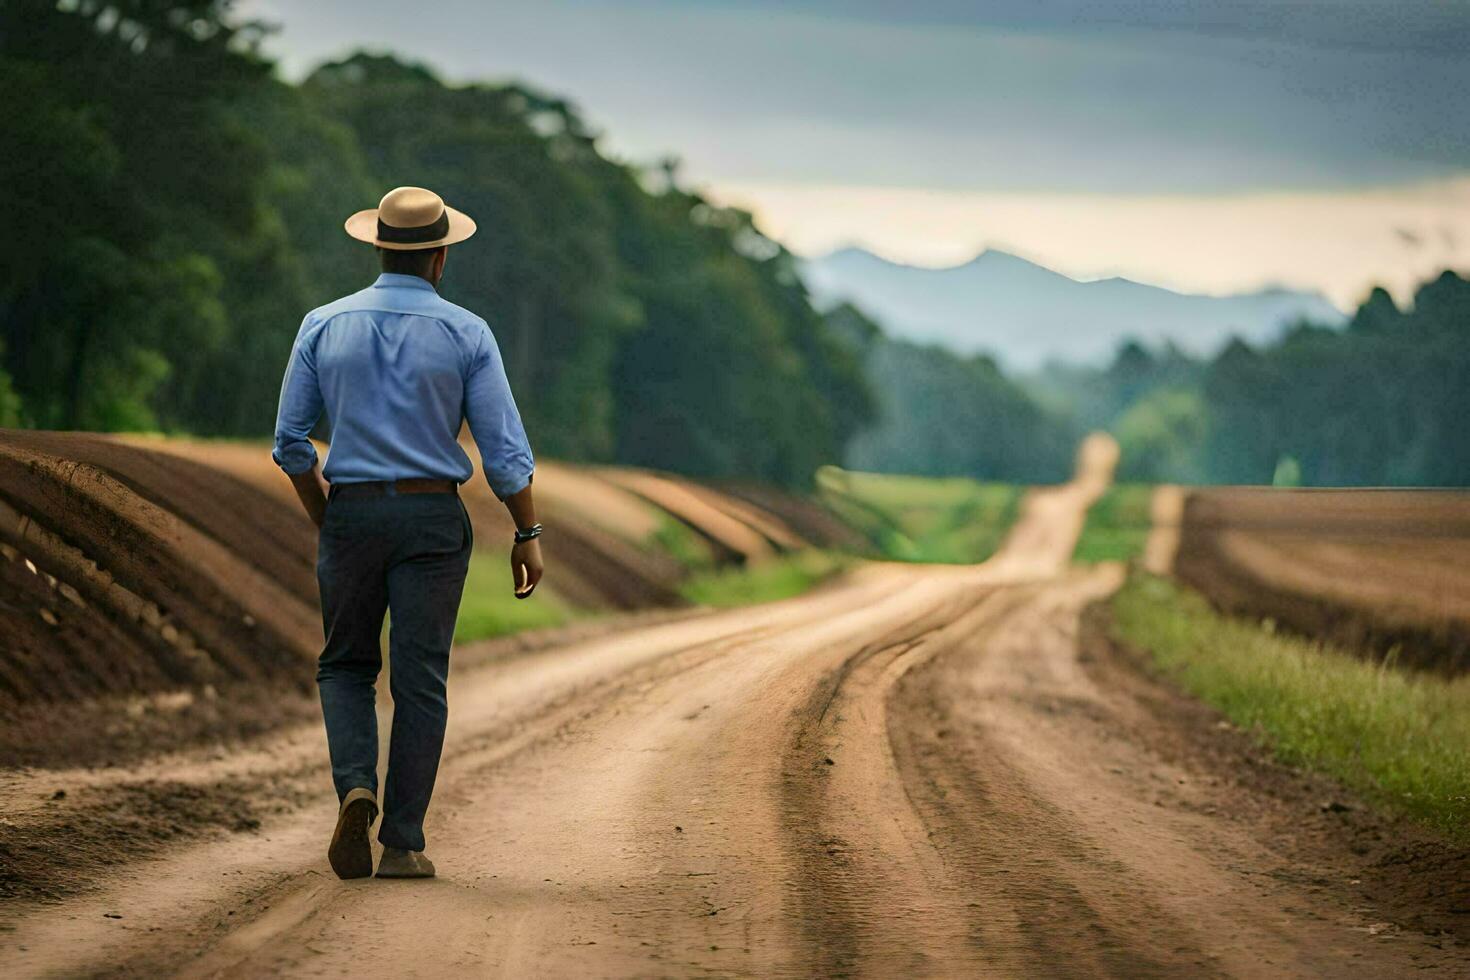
x=911, y=772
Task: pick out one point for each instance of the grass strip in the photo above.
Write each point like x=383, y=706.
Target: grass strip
x=923, y=519
x=489, y=608
x=1117, y=525
x=1400, y=738
x=780, y=578
x=682, y=543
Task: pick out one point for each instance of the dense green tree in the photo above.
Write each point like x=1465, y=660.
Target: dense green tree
x=189, y=208
x=117, y=127
x=1097, y=399
x=943, y=414
x=1162, y=436
x=10, y=410
x=1385, y=401
x=732, y=373
x=1381, y=403
x=294, y=257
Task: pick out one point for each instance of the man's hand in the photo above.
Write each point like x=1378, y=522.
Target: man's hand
x=311, y=488
x=525, y=556
x=525, y=567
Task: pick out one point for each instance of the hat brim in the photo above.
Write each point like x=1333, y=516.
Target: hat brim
x=364, y=227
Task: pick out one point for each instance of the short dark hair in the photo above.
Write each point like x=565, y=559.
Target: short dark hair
x=408, y=262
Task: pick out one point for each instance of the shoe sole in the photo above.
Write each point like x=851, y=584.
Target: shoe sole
x=391, y=876
x=351, y=851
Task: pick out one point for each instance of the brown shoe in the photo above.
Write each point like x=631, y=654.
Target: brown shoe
x=398, y=863
x=351, y=852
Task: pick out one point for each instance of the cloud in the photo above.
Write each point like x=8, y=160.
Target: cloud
x=1426, y=27
x=1116, y=97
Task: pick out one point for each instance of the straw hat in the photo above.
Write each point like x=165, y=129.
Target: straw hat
x=410, y=218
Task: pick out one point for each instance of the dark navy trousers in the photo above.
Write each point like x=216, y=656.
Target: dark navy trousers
x=405, y=554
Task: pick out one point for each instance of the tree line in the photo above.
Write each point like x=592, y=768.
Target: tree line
x=1384, y=401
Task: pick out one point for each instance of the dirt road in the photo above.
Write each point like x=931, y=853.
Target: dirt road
x=910, y=773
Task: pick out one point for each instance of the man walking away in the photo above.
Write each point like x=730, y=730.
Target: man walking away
x=397, y=370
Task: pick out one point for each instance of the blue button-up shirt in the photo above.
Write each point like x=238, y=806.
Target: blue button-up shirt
x=397, y=369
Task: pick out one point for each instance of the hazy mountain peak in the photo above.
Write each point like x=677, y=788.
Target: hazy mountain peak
x=994, y=256
x=1026, y=314
x=849, y=253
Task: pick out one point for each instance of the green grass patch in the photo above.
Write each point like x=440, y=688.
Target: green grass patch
x=489, y=608
x=683, y=543
x=1402, y=739
x=1117, y=525
x=927, y=519
x=780, y=578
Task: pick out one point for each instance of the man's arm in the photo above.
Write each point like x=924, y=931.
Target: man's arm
x=311, y=488
x=301, y=406
x=506, y=454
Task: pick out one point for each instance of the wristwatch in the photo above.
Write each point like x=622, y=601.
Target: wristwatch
x=524, y=534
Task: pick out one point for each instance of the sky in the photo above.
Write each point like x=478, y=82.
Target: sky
x=1204, y=145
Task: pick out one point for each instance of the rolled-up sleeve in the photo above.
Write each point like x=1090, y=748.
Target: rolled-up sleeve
x=494, y=421
x=300, y=407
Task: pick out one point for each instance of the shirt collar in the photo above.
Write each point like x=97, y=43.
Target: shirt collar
x=392, y=280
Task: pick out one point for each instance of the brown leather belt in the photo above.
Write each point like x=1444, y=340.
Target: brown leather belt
x=385, y=488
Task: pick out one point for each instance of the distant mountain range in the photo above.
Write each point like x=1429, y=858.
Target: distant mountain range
x=1025, y=314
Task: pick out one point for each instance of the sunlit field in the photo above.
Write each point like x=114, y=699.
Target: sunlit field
x=923, y=519
x=1117, y=525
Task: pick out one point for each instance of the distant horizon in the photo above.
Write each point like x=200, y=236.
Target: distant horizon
x=1396, y=238
x=989, y=249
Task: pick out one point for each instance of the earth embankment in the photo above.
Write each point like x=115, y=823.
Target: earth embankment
x=159, y=592
x=1385, y=572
